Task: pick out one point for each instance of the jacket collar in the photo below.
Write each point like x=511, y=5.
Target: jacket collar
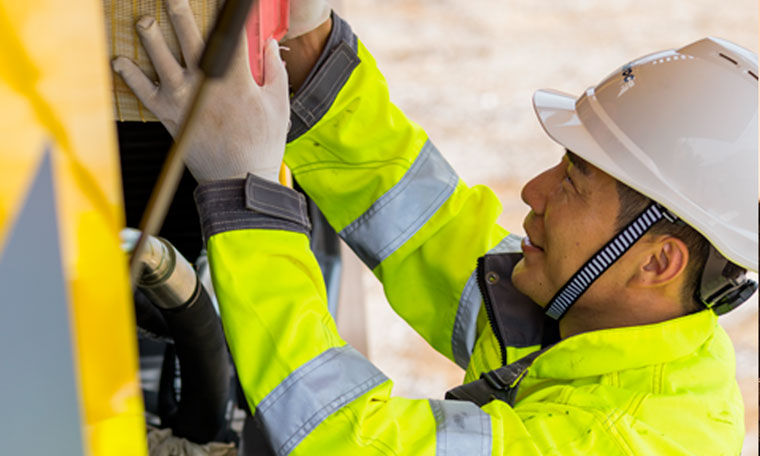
x=521, y=323
x=608, y=350
x=517, y=320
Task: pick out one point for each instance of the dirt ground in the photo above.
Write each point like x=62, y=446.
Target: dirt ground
x=466, y=70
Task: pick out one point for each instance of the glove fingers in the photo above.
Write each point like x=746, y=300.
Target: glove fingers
x=240, y=68
x=167, y=68
x=188, y=35
x=275, y=75
x=145, y=90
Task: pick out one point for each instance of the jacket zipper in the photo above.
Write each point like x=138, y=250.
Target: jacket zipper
x=481, y=275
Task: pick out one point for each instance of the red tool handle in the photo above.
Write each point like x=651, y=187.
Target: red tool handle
x=267, y=20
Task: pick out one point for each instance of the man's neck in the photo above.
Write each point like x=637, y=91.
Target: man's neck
x=627, y=309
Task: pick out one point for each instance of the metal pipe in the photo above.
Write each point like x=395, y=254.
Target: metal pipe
x=167, y=278
x=166, y=186
x=170, y=282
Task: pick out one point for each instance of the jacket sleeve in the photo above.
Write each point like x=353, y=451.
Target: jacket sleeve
x=392, y=196
x=310, y=392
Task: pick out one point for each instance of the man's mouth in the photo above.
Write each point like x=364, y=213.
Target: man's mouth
x=529, y=246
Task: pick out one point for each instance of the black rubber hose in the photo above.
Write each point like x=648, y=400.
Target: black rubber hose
x=147, y=315
x=204, y=369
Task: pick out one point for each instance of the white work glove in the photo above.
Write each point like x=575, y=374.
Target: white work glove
x=240, y=127
x=305, y=16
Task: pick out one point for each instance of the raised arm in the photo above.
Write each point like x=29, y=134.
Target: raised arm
x=387, y=190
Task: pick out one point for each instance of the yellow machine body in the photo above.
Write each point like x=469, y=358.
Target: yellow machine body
x=56, y=113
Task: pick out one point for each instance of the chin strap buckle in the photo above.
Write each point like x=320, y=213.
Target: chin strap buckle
x=667, y=215
x=735, y=297
x=724, y=285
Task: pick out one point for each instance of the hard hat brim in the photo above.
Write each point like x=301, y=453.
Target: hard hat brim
x=559, y=117
x=557, y=114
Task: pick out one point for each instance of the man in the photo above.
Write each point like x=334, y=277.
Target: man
x=636, y=363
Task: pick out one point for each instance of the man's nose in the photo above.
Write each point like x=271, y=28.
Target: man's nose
x=534, y=193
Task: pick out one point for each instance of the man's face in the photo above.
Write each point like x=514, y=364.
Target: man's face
x=574, y=207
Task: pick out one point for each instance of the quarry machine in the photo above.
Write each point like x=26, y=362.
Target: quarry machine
x=111, y=359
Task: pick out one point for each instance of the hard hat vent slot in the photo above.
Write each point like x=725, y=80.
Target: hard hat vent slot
x=728, y=58
x=752, y=74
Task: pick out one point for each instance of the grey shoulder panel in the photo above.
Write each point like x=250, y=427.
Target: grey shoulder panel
x=500, y=384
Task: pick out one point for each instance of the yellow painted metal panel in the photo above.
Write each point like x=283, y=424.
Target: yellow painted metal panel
x=55, y=88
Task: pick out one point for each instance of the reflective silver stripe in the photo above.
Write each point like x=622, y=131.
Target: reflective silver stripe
x=462, y=428
x=404, y=209
x=463, y=335
x=465, y=322
x=312, y=393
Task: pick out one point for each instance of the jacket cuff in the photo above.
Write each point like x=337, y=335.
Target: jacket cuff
x=250, y=203
x=333, y=68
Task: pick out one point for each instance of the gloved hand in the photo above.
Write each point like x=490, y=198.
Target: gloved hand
x=240, y=128
x=305, y=16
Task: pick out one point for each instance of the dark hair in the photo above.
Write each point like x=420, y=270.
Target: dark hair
x=632, y=203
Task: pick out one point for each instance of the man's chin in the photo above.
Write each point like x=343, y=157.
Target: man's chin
x=529, y=282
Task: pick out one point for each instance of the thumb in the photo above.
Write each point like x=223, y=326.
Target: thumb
x=275, y=75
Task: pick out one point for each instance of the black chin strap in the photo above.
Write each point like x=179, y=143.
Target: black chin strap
x=604, y=258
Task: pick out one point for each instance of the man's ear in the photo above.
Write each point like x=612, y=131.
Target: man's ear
x=665, y=260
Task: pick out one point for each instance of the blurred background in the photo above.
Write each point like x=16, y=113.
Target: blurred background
x=466, y=70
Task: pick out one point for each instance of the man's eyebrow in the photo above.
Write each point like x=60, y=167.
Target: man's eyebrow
x=578, y=162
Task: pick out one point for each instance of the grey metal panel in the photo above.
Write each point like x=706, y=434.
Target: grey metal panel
x=397, y=215
x=38, y=397
x=312, y=393
x=465, y=323
x=462, y=428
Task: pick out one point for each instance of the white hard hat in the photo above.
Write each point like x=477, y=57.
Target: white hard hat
x=679, y=126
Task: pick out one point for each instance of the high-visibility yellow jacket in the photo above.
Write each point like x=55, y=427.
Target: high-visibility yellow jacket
x=666, y=388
